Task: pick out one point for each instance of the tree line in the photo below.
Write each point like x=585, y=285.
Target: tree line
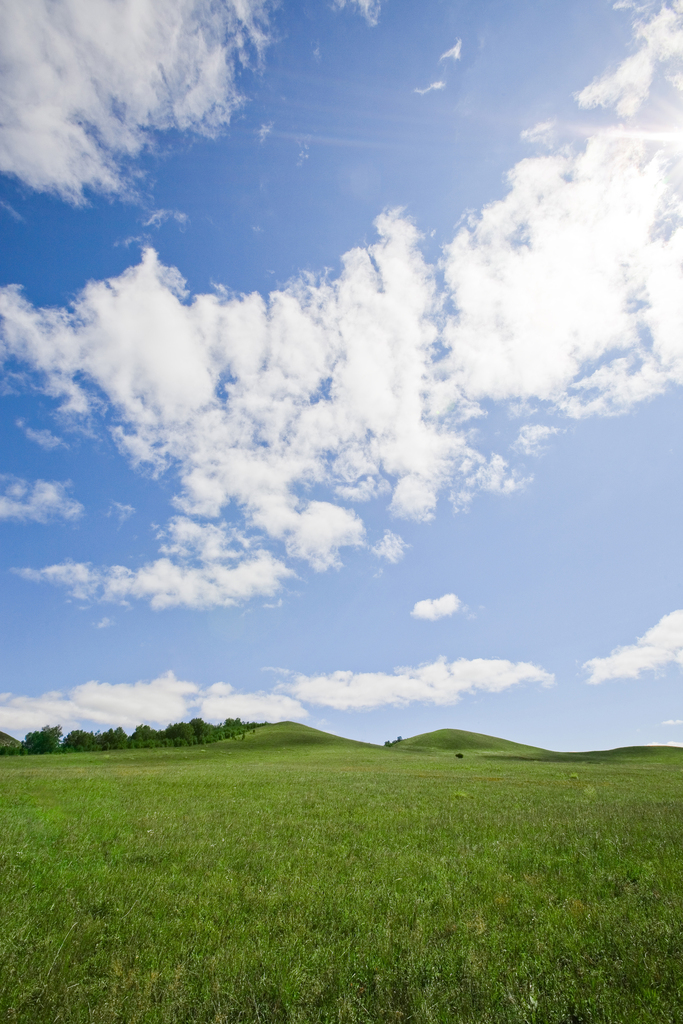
x=50, y=739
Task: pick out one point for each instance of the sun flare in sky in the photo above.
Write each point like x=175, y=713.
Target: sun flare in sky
x=343, y=337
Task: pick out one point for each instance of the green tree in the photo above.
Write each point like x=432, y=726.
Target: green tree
x=79, y=739
x=45, y=741
x=145, y=736
x=180, y=731
x=112, y=739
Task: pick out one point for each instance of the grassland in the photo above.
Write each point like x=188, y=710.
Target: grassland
x=295, y=877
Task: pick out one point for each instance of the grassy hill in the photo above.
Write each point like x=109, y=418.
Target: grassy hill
x=286, y=735
x=459, y=740
x=292, y=734
x=8, y=741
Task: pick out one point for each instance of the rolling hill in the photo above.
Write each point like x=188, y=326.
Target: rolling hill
x=8, y=741
x=292, y=734
x=445, y=741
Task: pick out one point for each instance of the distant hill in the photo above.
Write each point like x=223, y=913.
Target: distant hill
x=457, y=741
x=655, y=755
x=461, y=740
x=8, y=741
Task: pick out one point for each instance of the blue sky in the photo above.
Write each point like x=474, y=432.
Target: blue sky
x=342, y=358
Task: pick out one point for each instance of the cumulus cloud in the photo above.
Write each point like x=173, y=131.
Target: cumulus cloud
x=567, y=292
x=391, y=547
x=221, y=701
x=660, y=646
x=36, y=502
x=157, y=702
x=531, y=437
x=84, y=82
x=436, y=608
x=161, y=700
x=569, y=288
x=168, y=583
x=440, y=682
x=673, y=721
x=330, y=383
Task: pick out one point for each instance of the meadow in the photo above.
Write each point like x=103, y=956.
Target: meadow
x=291, y=876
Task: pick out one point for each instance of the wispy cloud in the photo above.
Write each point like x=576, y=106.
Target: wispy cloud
x=45, y=438
x=531, y=437
x=8, y=208
x=370, y=9
x=264, y=131
x=627, y=87
x=453, y=53
x=159, y=217
x=122, y=512
x=431, y=88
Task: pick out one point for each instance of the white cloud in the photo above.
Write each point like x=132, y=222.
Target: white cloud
x=391, y=547
x=673, y=721
x=543, y=132
x=531, y=437
x=264, y=131
x=45, y=438
x=628, y=86
x=440, y=683
x=206, y=568
x=569, y=288
x=368, y=8
x=168, y=584
x=38, y=502
x=159, y=217
x=254, y=402
x=158, y=702
x=104, y=623
x=453, y=53
x=671, y=743
x=84, y=82
x=568, y=291
x=162, y=700
x=8, y=208
x=221, y=701
x=660, y=646
x=436, y=608
x=431, y=88
x=122, y=512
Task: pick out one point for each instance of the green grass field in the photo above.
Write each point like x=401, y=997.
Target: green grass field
x=296, y=877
